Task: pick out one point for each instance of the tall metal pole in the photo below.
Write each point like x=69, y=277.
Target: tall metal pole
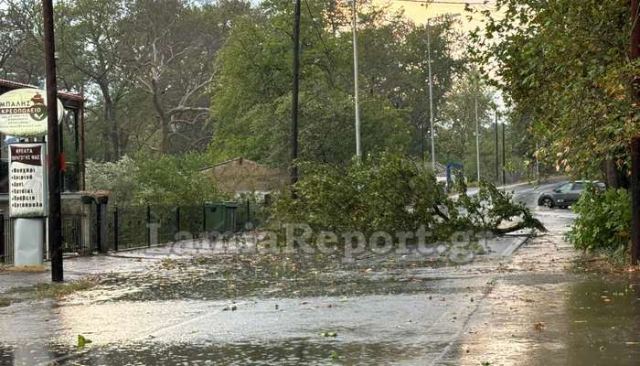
x=497, y=147
x=537, y=163
x=355, y=78
x=53, y=146
x=477, y=139
x=294, y=95
x=433, y=138
x=504, y=157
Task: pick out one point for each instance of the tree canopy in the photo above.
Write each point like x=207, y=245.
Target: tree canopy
x=251, y=98
x=565, y=66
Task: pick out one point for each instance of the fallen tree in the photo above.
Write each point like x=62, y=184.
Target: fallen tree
x=391, y=193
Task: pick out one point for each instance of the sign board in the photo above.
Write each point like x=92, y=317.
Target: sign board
x=23, y=112
x=27, y=183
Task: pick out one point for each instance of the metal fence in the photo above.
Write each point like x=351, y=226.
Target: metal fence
x=134, y=227
x=121, y=228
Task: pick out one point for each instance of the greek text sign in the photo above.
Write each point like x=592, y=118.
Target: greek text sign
x=27, y=185
x=23, y=112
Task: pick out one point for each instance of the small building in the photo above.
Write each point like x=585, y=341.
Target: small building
x=242, y=176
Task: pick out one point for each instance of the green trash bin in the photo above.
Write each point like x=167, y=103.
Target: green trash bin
x=220, y=216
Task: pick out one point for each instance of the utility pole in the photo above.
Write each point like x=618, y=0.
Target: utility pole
x=497, y=147
x=354, y=24
x=477, y=139
x=537, y=164
x=433, y=134
x=53, y=146
x=504, y=157
x=294, y=94
x=635, y=141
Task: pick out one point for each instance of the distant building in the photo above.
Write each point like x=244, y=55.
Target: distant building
x=243, y=176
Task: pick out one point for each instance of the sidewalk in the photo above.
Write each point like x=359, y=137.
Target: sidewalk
x=544, y=309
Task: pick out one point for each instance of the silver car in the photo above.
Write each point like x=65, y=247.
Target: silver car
x=566, y=194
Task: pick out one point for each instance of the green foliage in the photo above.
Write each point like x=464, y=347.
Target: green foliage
x=456, y=141
x=564, y=65
x=173, y=180
x=604, y=221
x=145, y=66
x=118, y=177
x=490, y=208
x=391, y=193
x=369, y=196
x=160, y=180
x=251, y=94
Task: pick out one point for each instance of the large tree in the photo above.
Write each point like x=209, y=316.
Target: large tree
x=90, y=35
x=564, y=64
x=252, y=92
x=169, y=50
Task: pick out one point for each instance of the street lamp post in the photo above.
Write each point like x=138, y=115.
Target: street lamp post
x=431, y=128
x=433, y=138
x=477, y=138
x=294, y=94
x=354, y=24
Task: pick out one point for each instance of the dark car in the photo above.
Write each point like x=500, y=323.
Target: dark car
x=566, y=194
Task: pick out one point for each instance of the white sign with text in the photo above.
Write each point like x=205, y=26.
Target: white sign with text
x=27, y=183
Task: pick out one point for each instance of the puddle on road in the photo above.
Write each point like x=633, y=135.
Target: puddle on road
x=364, y=330
x=293, y=352
x=576, y=320
x=538, y=314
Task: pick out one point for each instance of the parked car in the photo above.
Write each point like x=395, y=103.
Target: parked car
x=566, y=194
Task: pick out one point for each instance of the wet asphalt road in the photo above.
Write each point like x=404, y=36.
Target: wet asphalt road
x=533, y=308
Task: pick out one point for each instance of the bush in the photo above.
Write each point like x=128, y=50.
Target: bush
x=173, y=180
x=604, y=221
x=391, y=193
x=159, y=180
x=118, y=177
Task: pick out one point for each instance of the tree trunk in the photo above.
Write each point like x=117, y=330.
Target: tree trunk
x=163, y=118
x=112, y=123
x=612, y=174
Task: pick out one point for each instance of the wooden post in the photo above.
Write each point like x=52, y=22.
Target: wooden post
x=53, y=146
